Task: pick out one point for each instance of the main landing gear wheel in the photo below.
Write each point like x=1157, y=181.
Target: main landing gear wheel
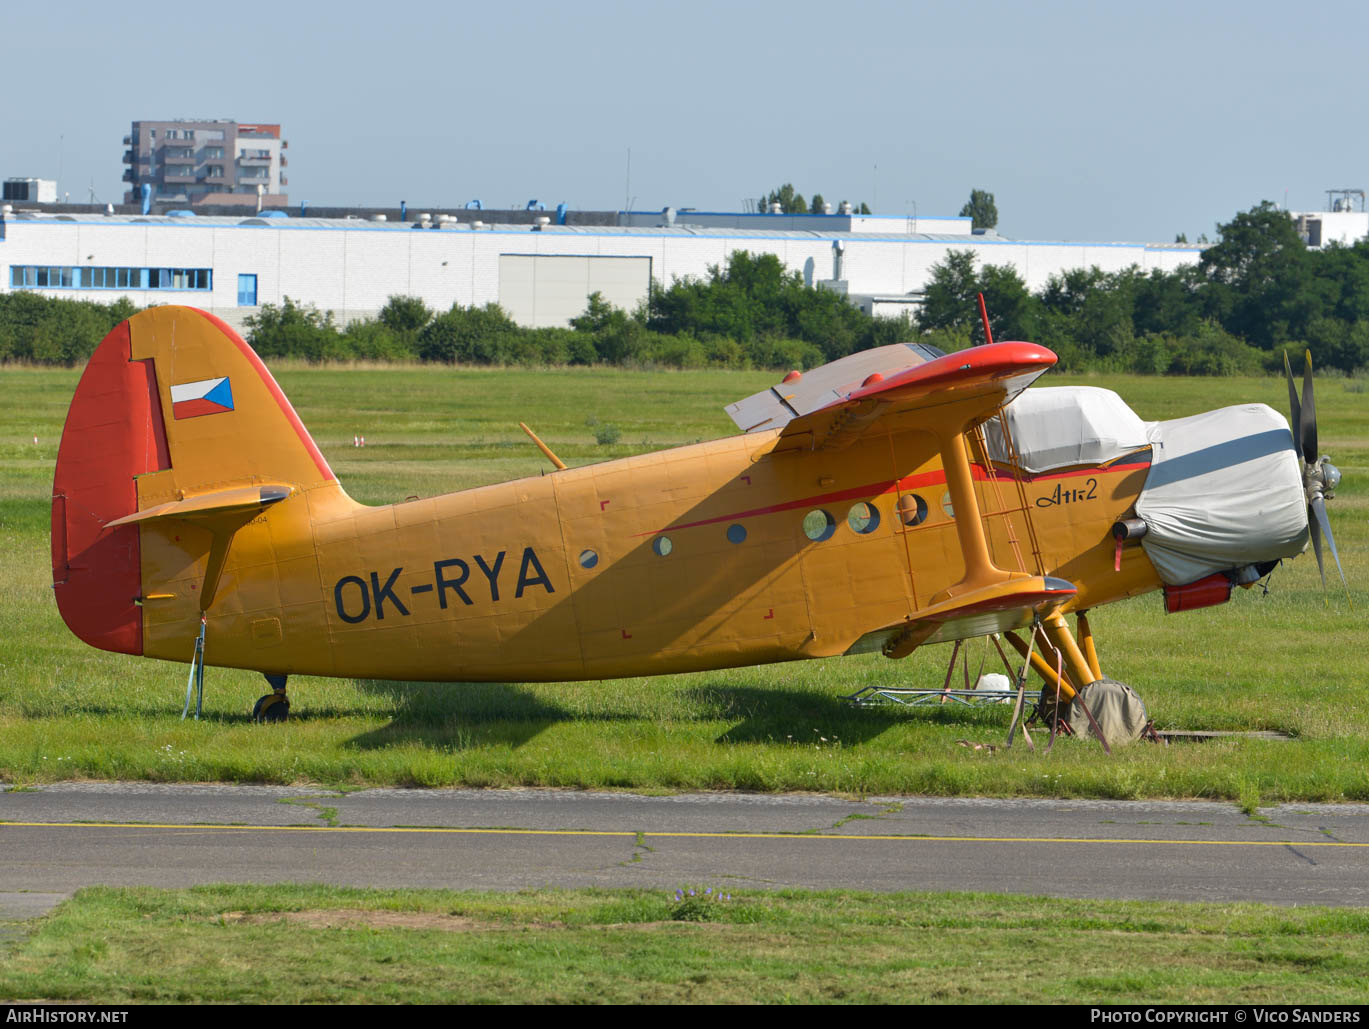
x=271, y=708
x=275, y=706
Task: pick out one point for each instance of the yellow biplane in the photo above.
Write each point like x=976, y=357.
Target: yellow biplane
x=895, y=498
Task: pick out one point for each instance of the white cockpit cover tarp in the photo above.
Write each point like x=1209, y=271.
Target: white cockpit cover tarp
x=1224, y=491
x=1060, y=426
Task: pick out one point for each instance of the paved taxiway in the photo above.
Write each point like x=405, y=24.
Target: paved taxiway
x=57, y=838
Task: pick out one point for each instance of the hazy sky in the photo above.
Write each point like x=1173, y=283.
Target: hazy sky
x=1125, y=121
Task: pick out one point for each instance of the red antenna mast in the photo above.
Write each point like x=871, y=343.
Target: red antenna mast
x=984, y=314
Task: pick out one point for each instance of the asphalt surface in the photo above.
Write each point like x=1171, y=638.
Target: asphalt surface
x=58, y=838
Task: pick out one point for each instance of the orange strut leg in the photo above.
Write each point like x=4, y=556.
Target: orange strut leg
x=1086, y=640
x=1041, y=667
x=1058, y=632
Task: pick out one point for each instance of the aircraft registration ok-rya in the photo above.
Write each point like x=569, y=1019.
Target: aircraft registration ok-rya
x=894, y=498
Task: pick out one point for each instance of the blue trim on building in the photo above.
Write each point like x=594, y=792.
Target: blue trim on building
x=797, y=236
x=800, y=214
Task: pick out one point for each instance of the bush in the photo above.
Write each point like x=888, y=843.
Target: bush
x=676, y=352
x=1149, y=355
x=786, y=354
x=581, y=349
x=468, y=335
x=55, y=331
x=548, y=346
x=755, y=299
x=1214, y=351
x=724, y=353
x=292, y=330
x=375, y=341
x=405, y=315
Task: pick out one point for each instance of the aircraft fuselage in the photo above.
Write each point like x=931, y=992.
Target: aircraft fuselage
x=738, y=551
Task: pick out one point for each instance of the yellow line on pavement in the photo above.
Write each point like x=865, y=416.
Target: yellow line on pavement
x=676, y=835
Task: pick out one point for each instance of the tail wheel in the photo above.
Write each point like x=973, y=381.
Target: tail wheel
x=274, y=707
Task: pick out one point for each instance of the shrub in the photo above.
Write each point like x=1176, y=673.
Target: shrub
x=467, y=335
x=53, y=330
x=294, y=330
x=1214, y=351
x=375, y=341
x=405, y=314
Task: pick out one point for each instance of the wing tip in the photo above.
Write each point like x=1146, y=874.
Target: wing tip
x=989, y=361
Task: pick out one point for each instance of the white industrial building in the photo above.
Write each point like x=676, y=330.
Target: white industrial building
x=540, y=273
x=1320, y=229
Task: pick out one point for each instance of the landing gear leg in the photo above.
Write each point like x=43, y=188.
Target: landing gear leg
x=275, y=706
x=1086, y=640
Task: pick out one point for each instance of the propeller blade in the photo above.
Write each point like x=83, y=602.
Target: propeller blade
x=1318, y=507
x=1294, y=408
x=1314, y=527
x=1309, y=416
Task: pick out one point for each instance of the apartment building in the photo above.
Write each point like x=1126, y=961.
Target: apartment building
x=205, y=162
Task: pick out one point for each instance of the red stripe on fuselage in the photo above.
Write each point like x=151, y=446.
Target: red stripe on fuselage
x=879, y=489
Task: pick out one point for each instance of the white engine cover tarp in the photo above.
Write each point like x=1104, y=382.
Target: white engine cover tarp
x=1224, y=491
x=1060, y=426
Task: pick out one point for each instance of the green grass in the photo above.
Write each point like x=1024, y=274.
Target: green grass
x=320, y=944
x=1292, y=661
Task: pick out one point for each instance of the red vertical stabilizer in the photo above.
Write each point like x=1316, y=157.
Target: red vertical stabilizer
x=113, y=432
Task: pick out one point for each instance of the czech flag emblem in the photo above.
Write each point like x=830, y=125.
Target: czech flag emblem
x=208, y=396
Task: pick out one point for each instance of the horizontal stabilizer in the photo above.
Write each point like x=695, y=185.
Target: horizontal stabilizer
x=241, y=500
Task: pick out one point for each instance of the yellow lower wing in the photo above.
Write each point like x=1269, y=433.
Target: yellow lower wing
x=995, y=608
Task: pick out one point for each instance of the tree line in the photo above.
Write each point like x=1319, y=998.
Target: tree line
x=750, y=314
x=1251, y=295
x=1254, y=293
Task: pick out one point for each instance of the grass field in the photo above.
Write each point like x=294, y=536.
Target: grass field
x=1292, y=661
x=319, y=944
